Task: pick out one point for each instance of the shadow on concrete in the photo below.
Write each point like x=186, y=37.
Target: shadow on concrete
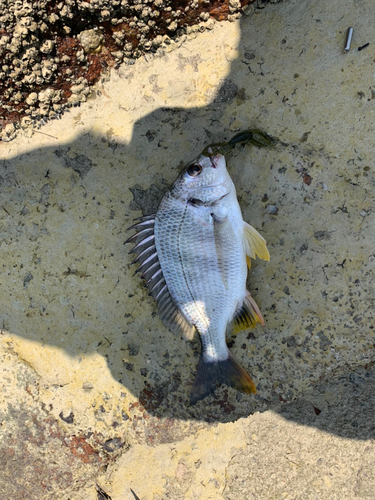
x=344, y=406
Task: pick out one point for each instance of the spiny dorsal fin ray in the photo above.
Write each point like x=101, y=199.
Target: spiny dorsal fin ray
x=248, y=316
x=254, y=244
x=176, y=322
x=153, y=275
x=140, y=236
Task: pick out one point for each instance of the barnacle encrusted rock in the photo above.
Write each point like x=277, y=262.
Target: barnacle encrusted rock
x=52, y=44
x=91, y=40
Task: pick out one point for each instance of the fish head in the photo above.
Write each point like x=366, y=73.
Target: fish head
x=204, y=179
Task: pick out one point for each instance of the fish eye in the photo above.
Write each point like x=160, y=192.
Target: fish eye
x=194, y=170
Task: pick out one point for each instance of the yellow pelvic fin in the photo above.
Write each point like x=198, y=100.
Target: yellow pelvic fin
x=255, y=244
x=248, y=316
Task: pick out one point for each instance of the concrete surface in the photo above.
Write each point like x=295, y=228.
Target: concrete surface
x=90, y=371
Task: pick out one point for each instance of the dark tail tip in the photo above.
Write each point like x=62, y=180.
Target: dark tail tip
x=210, y=375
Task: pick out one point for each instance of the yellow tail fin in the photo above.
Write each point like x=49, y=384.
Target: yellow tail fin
x=212, y=374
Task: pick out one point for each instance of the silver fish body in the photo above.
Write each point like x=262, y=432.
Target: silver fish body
x=194, y=255
x=201, y=253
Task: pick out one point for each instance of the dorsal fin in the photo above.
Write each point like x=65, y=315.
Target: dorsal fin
x=248, y=316
x=254, y=244
x=148, y=259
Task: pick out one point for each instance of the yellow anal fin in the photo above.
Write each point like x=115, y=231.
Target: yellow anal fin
x=255, y=244
x=248, y=316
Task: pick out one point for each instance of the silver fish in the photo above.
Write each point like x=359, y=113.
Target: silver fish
x=194, y=253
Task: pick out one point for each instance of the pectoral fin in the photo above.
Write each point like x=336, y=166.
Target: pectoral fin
x=248, y=316
x=255, y=244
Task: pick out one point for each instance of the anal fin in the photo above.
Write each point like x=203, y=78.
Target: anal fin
x=248, y=316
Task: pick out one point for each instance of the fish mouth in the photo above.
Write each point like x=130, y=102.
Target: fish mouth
x=214, y=160
x=212, y=154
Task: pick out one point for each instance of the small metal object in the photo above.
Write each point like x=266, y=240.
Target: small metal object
x=349, y=37
x=135, y=496
x=363, y=46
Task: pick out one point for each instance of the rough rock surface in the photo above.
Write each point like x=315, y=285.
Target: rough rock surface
x=51, y=52
x=37, y=458
x=102, y=379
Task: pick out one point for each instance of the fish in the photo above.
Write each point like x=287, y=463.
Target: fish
x=194, y=254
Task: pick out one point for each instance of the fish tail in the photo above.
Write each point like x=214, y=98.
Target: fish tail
x=210, y=374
